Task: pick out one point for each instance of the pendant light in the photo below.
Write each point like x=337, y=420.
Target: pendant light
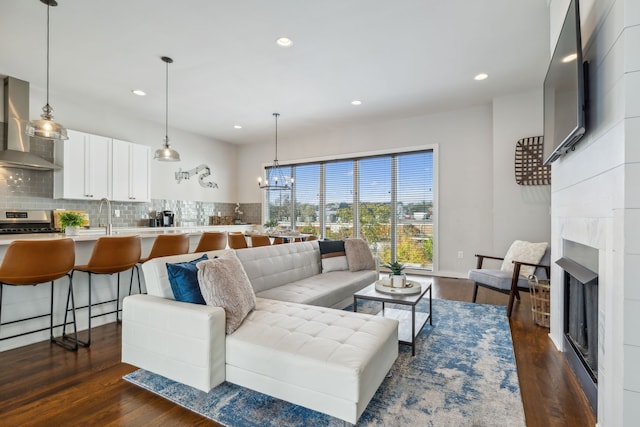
x=278, y=180
x=46, y=128
x=166, y=153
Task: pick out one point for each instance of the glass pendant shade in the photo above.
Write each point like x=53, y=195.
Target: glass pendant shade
x=166, y=153
x=46, y=128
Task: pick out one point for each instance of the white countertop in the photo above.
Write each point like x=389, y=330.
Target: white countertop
x=144, y=232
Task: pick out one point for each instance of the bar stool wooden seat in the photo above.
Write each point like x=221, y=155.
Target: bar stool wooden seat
x=110, y=255
x=163, y=245
x=212, y=241
x=260, y=240
x=237, y=240
x=33, y=262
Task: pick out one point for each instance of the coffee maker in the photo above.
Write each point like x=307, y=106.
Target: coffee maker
x=166, y=218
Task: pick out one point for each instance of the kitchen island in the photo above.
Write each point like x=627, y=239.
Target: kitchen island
x=24, y=301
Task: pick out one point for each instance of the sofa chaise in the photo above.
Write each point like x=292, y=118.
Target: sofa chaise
x=293, y=345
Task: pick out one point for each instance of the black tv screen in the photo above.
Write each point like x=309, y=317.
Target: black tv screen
x=565, y=90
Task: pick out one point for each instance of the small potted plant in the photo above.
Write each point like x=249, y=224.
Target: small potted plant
x=271, y=225
x=71, y=222
x=397, y=278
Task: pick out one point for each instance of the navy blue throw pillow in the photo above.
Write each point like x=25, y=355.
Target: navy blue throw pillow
x=183, y=277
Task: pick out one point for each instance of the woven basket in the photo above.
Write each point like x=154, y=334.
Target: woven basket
x=540, y=291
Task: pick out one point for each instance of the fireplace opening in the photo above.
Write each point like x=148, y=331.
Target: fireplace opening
x=581, y=325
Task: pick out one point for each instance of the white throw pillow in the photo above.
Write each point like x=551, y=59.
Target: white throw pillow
x=224, y=283
x=524, y=252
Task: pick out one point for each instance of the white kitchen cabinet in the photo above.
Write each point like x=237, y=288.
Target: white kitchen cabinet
x=86, y=167
x=130, y=171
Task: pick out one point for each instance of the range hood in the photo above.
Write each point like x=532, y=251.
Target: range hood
x=14, y=152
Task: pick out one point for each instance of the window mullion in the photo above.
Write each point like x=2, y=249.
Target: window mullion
x=356, y=198
x=322, y=209
x=394, y=207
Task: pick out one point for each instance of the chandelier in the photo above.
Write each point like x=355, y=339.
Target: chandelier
x=276, y=180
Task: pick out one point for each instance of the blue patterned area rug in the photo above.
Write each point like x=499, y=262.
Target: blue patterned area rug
x=463, y=374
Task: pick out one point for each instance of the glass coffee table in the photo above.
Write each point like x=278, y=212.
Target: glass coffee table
x=411, y=322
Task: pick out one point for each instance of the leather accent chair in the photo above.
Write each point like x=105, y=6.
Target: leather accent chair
x=34, y=262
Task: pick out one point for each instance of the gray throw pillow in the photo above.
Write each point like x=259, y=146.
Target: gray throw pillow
x=359, y=256
x=224, y=283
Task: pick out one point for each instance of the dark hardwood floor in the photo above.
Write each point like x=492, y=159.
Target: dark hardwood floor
x=45, y=385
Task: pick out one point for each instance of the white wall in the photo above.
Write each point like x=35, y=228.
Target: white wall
x=519, y=211
x=595, y=199
x=194, y=149
x=466, y=144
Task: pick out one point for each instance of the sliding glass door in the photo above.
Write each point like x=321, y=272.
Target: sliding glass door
x=385, y=199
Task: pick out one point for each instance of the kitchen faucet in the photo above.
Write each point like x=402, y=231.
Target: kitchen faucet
x=108, y=227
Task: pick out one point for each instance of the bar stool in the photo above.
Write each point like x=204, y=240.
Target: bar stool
x=33, y=262
x=163, y=245
x=237, y=240
x=260, y=240
x=312, y=237
x=110, y=255
x=278, y=240
x=212, y=241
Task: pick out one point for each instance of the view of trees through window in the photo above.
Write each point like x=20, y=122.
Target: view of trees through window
x=387, y=200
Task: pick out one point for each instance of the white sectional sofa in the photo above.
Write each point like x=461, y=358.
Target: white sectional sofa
x=292, y=346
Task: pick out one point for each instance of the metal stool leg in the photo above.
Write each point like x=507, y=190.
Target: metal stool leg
x=118, y=300
x=62, y=342
x=70, y=298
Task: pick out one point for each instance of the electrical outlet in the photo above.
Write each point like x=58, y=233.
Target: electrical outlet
x=460, y=254
x=116, y=213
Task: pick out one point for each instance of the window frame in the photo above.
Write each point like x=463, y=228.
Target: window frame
x=323, y=160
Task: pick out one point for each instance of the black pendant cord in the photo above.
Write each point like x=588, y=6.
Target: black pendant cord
x=48, y=10
x=276, y=158
x=166, y=106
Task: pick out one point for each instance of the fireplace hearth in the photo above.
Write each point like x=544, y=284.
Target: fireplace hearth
x=581, y=325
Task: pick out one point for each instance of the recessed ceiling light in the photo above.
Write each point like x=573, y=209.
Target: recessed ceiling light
x=237, y=127
x=284, y=42
x=569, y=58
x=481, y=76
x=356, y=102
x=139, y=92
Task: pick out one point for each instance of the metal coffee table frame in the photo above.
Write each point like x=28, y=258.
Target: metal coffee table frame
x=411, y=322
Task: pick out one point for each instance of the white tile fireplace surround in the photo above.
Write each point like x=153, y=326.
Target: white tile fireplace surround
x=593, y=233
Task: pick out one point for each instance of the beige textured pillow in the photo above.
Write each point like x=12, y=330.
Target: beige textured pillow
x=359, y=255
x=524, y=252
x=224, y=283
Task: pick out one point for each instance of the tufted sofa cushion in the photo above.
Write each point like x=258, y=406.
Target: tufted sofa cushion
x=327, y=289
x=271, y=266
x=333, y=352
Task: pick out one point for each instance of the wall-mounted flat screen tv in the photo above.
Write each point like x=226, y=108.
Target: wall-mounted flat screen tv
x=565, y=90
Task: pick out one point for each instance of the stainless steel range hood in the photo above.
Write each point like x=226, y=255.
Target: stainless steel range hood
x=14, y=152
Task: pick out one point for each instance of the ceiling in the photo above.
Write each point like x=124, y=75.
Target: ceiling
x=400, y=58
